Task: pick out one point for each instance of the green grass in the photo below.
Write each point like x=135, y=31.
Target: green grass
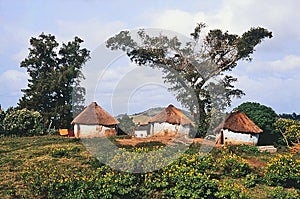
x=22, y=153
x=18, y=153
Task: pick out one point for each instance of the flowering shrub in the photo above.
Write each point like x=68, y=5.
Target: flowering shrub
x=51, y=181
x=185, y=178
x=279, y=193
x=232, y=165
x=191, y=175
x=23, y=123
x=229, y=189
x=250, y=180
x=143, y=159
x=290, y=129
x=283, y=170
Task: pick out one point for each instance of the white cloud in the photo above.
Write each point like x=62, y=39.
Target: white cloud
x=94, y=32
x=280, y=94
x=177, y=20
x=288, y=63
x=12, y=81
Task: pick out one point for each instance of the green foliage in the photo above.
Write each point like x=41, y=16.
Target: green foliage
x=289, y=128
x=232, y=165
x=2, y=116
x=243, y=149
x=23, y=123
x=185, y=178
x=189, y=67
x=55, y=74
x=229, y=189
x=37, y=174
x=58, y=153
x=126, y=124
x=279, y=192
x=283, y=170
x=251, y=180
x=264, y=117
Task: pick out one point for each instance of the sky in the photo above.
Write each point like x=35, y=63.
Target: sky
x=271, y=78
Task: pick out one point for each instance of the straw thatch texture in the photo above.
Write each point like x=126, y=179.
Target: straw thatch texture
x=171, y=115
x=95, y=115
x=239, y=122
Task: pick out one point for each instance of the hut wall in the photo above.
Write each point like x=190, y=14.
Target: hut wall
x=240, y=138
x=88, y=131
x=142, y=131
x=170, y=128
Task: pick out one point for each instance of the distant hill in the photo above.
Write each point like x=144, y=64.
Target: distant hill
x=144, y=116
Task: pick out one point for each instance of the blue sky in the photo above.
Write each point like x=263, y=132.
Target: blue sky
x=272, y=78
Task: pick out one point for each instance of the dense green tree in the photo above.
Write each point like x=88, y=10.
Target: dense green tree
x=264, y=117
x=126, y=124
x=292, y=116
x=2, y=116
x=195, y=70
x=55, y=74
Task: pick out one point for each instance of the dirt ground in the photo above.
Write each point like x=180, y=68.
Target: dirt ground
x=168, y=139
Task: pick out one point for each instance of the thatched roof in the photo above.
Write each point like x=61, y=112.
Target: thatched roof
x=239, y=122
x=94, y=114
x=171, y=115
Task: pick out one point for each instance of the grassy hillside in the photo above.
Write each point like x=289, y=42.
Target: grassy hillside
x=57, y=167
x=144, y=116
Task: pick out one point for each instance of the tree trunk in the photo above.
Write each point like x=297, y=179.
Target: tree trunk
x=201, y=117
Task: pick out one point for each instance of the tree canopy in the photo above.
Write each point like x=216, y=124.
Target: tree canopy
x=194, y=70
x=126, y=124
x=264, y=117
x=55, y=75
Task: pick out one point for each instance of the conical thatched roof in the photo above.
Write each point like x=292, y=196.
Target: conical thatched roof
x=171, y=115
x=94, y=114
x=239, y=122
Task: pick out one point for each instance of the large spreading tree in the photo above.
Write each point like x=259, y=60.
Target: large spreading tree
x=195, y=70
x=55, y=73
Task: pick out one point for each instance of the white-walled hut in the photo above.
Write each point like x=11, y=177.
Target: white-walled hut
x=170, y=121
x=238, y=128
x=94, y=121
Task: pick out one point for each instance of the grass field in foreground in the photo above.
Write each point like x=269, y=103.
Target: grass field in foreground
x=34, y=167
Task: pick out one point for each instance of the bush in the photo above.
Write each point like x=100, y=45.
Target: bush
x=232, y=165
x=251, y=180
x=283, y=170
x=185, y=178
x=230, y=189
x=289, y=128
x=243, y=149
x=23, y=122
x=51, y=181
x=279, y=193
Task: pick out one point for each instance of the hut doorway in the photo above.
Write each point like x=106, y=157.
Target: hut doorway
x=221, y=138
